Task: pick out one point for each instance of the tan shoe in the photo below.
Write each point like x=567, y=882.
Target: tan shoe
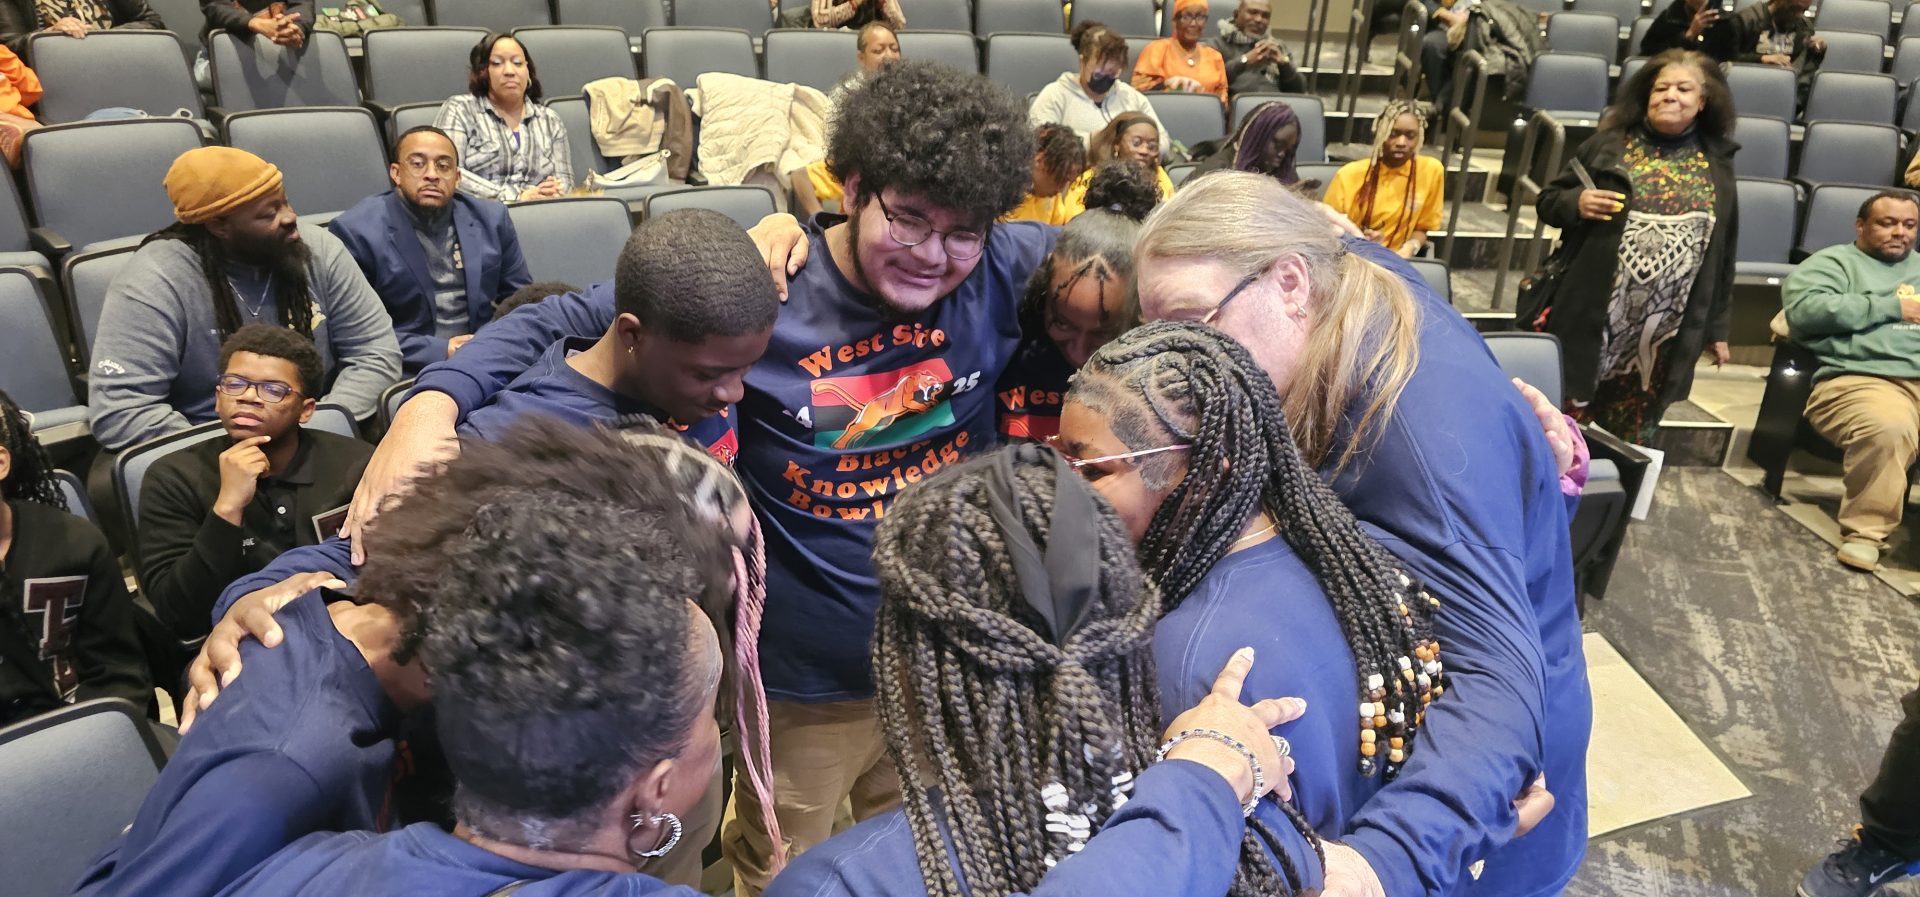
x=1860, y=555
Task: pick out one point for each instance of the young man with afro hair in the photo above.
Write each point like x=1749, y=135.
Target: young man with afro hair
x=879, y=373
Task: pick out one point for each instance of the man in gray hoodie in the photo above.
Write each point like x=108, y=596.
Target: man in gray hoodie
x=238, y=255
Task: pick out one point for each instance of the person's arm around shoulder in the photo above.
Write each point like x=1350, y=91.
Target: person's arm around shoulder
x=365, y=351
x=110, y=661
x=1820, y=300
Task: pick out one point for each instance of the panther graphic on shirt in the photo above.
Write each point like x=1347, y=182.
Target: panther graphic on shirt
x=916, y=393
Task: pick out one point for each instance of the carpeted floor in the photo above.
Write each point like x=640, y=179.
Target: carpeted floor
x=1787, y=665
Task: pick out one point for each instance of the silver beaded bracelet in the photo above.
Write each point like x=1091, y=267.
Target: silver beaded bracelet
x=1259, y=777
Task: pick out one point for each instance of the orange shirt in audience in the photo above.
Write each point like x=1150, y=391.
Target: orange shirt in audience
x=1165, y=58
x=19, y=86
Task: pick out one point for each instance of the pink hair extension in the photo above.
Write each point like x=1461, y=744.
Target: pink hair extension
x=750, y=700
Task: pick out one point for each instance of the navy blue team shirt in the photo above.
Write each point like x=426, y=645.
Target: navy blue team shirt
x=848, y=406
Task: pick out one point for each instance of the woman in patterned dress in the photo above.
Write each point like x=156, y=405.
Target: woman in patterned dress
x=1648, y=246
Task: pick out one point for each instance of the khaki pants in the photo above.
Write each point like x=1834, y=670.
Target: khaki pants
x=822, y=754
x=1876, y=421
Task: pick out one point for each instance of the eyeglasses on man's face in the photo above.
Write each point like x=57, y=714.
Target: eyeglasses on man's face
x=908, y=229
x=273, y=392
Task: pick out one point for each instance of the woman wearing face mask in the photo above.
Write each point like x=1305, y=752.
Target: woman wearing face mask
x=1079, y=298
x=1091, y=98
x=512, y=148
x=1647, y=249
x=1132, y=137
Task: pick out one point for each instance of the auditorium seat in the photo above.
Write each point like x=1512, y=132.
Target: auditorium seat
x=991, y=17
x=497, y=15
x=683, y=54
x=954, y=49
x=1308, y=109
x=744, y=204
x=417, y=65
x=34, y=368
x=259, y=74
x=122, y=163
x=810, y=56
x=571, y=56
x=574, y=239
x=330, y=156
x=1027, y=62
x=123, y=67
x=75, y=778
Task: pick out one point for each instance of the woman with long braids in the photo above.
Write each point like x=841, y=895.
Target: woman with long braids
x=1015, y=673
x=1184, y=434
x=66, y=623
x=1267, y=142
x=1395, y=194
x=1395, y=402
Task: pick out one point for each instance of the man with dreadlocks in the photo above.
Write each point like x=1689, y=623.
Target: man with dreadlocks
x=237, y=255
x=1013, y=656
x=879, y=373
x=66, y=623
x=1184, y=433
x=1395, y=195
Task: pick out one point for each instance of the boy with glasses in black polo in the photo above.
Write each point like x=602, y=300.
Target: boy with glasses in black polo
x=221, y=509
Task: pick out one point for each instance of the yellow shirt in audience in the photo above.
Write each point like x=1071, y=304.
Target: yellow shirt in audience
x=1388, y=216
x=1044, y=209
x=825, y=185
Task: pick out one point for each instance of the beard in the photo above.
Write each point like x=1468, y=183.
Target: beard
x=270, y=252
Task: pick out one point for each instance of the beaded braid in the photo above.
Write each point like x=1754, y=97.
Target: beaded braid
x=32, y=475
x=1382, y=128
x=974, y=701
x=292, y=298
x=1201, y=388
x=713, y=492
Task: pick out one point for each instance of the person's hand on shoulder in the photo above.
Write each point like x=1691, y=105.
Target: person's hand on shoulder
x=218, y=662
x=422, y=435
x=783, y=246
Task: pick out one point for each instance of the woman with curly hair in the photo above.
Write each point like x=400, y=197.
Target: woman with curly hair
x=66, y=622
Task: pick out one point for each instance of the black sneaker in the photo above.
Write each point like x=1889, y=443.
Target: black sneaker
x=1855, y=870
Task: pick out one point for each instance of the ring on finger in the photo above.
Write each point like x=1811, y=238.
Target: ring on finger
x=1282, y=745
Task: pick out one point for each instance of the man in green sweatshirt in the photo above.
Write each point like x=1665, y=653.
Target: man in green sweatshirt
x=1857, y=306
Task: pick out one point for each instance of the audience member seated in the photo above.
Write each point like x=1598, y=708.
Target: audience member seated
x=530, y=294
x=1014, y=580
x=66, y=623
x=1776, y=32
x=1257, y=60
x=1395, y=195
x=439, y=258
x=224, y=508
x=20, y=19
x=1059, y=158
x=813, y=186
x=857, y=14
x=1447, y=34
x=1182, y=62
x=237, y=255
x=1089, y=99
x=19, y=89
x=694, y=308
x=512, y=148
x=1078, y=300
x=1856, y=306
x=1132, y=137
x=284, y=22
x=1266, y=143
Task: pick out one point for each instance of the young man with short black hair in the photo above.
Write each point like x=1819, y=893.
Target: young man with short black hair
x=221, y=509
x=879, y=372
x=694, y=308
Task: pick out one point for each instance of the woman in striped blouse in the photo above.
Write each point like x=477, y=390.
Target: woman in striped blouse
x=512, y=148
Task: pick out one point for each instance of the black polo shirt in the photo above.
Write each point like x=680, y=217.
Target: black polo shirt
x=188, y=555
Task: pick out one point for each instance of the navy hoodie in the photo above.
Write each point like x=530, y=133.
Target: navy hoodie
x=302, y=741
x=849, y=406
x=1463, y=488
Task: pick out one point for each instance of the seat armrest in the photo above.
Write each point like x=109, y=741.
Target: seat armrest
x=48, y=242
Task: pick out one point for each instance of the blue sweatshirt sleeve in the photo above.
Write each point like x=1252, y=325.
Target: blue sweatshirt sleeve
x=1179, y=834
x=241, y=812
x=1452, y=803
x=332, y=556
x=505, y=348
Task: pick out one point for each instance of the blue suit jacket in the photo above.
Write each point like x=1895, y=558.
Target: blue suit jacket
x=379, y=234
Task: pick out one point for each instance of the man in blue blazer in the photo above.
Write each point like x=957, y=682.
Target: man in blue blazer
x=438, y=258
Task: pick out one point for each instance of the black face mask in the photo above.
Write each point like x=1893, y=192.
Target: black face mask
x=1102, y=83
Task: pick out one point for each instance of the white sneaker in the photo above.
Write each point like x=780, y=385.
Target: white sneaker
x=1859, y=555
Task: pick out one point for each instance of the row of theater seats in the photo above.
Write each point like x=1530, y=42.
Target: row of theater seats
x=49, y=330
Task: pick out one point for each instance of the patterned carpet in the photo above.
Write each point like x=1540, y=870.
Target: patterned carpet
x=1786, y=664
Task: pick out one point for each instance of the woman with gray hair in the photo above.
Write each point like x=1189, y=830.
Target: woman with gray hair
x=1395, y=398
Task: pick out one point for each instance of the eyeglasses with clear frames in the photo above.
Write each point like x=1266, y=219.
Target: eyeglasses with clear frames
x=1081, y=464
x=1238, y=288
x=913, y=230
x=273, y=392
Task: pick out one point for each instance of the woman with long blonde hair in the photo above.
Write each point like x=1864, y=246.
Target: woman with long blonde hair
x=1396, y=400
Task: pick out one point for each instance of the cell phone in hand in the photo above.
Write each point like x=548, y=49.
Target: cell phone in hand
x=1726, y=7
